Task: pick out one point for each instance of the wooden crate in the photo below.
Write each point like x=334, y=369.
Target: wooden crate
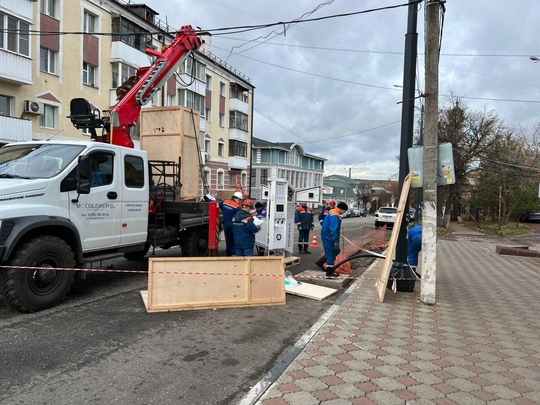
x=169, y=133
x=214, y=282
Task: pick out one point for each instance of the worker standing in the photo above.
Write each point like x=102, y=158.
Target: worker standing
x=244, y=229
x=330, y=234
x=326, y=209
x=229, y=208
x=303, y=217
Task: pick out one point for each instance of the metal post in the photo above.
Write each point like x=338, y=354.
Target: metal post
x=429, y=214
x=407, y=121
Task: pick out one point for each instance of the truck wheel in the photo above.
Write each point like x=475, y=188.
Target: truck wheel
x=34, y=290
x=195, y=243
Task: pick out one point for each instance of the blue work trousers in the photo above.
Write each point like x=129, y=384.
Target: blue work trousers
x=330, y=252
x=244, y=252
x=229, y=241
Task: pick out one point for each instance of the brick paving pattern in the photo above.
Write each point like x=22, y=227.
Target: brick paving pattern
x=479, y=344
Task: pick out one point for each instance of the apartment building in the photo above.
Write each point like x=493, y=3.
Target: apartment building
x=286, y=160
x=54, y=50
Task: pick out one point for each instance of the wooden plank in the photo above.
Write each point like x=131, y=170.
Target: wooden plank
x=315, y=292
x=391, y=250
x=177, y=284
x=291, y=261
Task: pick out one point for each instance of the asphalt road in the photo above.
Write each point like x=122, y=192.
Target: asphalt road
x=100, y=346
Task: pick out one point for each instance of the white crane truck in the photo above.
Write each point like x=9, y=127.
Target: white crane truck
x=64, y=204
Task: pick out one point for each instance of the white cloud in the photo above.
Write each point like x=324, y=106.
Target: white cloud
x=366, y=49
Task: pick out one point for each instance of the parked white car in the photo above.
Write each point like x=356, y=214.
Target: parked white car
x=385, y=216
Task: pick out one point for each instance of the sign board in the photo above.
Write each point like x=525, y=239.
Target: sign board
x=308, y=195
x=446, y=174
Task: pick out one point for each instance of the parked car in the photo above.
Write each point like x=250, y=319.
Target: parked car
x=363, y=212
x=385, y=216
x=531, y=216
x=351, y=213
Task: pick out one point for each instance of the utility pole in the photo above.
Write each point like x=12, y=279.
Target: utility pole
x=407, y=123
x=417, y=190
x=429, y=213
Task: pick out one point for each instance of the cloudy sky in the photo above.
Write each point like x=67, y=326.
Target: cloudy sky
x=330, y=85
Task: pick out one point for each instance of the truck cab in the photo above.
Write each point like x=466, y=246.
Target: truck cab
x=45, y=198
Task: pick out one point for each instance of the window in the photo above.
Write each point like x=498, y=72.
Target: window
x=220, y=179
x=121, y=72
x=90, y=22
x=239, y=93
x=207, y=176
x=49, y=119
x=190, y=99
x=207, y=145
x=16, y=37
x=89, y=74
x=5, y=105
x=102, y=169
x=48, y=7
x=134, y=171
x=222, y=89
x=131, y=34
x=220, y=149
x=237, y=148
x=238, y=120
x=195, y=69
x=47, y=60
x=208, y=114
x=221, y=119
x=209, y=82
x=264, y=176
x=253, y=179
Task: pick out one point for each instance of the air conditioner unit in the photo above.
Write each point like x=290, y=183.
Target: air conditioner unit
x=34, y=107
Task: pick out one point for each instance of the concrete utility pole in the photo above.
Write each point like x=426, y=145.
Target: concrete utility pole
x=429, y=214
x=407, y=123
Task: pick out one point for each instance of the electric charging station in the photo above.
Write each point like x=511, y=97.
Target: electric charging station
x=276, y=231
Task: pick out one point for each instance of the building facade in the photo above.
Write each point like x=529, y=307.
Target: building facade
x=287, y=161
x=54, y=50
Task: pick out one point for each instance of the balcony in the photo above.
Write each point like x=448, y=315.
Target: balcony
x=237, y=162
x=121, y=52
x=238, y=105
x=238, y=135
x=15, y=68
x=15, y=129
x=24, y=9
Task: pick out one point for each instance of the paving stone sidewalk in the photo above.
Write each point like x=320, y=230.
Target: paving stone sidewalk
x=479, y=344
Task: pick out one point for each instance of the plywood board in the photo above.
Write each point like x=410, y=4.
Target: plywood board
x=391, y=250
x=315, y=292
x=178, y=284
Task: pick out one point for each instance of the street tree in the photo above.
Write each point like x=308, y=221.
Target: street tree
x=472, y=134
x=506, y=178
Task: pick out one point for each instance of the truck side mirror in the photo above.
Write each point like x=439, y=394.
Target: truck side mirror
x=84, y=171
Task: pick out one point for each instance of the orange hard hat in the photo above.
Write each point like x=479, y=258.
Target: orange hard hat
x=248, y=203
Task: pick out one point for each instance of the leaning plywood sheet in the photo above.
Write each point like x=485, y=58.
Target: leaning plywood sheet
x=315, y=292
x=178, y=284
x=391, y=250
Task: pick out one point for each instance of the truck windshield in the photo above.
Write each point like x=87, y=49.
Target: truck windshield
x=36, y=161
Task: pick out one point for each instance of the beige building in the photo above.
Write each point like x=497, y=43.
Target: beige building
x=52, y=51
